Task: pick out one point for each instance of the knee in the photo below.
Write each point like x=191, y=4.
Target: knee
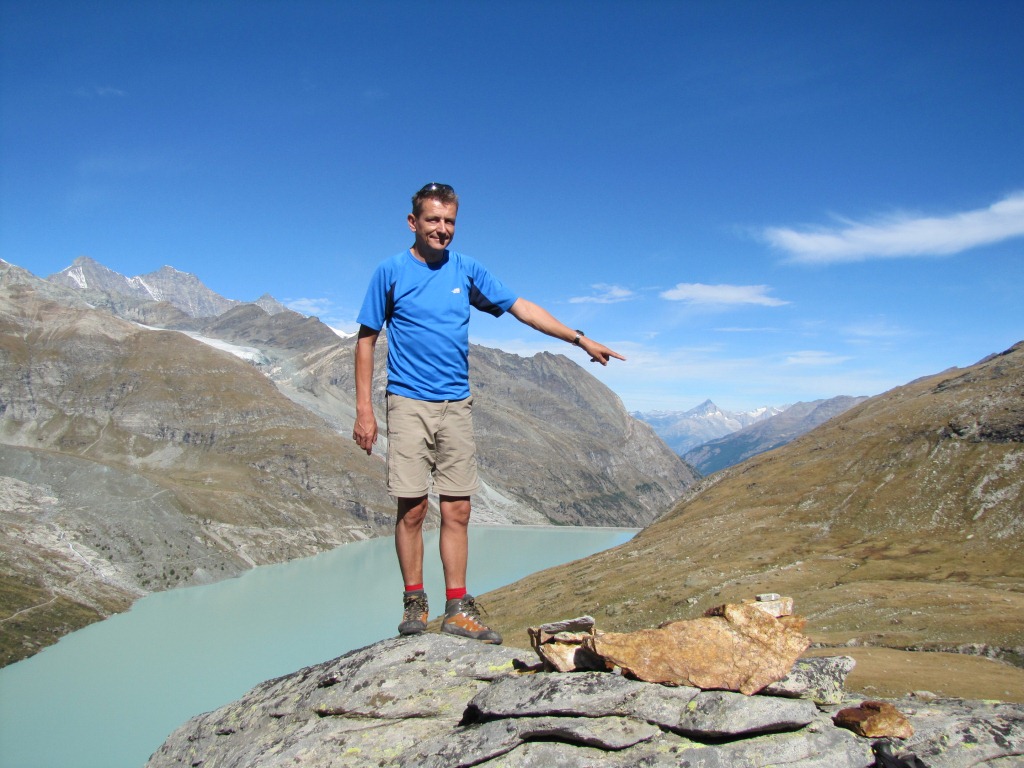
x=412, y=512
x=455, y=511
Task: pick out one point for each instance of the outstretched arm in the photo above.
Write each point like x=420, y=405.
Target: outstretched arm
x=539, y=318
x=365, y=430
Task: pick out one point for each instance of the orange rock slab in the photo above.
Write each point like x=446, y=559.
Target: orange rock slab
x=743, y=649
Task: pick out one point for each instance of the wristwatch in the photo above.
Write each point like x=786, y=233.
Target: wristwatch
x=579, y=335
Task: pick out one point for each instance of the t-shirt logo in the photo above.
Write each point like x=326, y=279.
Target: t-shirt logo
x=456, y=290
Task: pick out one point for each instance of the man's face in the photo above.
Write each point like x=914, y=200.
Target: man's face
x=434, y=227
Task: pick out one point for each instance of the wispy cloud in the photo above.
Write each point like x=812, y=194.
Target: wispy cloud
x=605, y=294
x=101, y=91
x=308, y=306
x=874, y=329
x=903, y=235
x=750, y=329
x=658, y=378
x=719, y=295
x=814, y=357
x=326, y=310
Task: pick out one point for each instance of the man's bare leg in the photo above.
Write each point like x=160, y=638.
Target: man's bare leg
x=454, y=540
x=461, y=615
x=409, y=538
x=409, y=546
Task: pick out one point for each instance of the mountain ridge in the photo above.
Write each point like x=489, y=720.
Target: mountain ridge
x=683, y=431
x=767, y=433
x=182, y=290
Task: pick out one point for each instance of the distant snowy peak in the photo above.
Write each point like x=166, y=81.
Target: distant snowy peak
x=76, y=275
x=684, y=430
x=705, y=410
x=85, y=274
x=182, y=290
x=270, y=305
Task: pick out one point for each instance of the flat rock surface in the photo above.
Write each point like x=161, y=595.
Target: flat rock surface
x=437, y=700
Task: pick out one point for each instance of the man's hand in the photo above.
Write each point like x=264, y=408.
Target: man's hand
x=539, y=318
x=598, y=352
x=365, y=430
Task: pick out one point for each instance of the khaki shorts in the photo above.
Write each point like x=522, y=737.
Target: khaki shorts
x=431, y=441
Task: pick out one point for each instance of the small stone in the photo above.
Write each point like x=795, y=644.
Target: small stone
x=774, y=604
x=875, y=719
x=560, y=645
x=579, y=624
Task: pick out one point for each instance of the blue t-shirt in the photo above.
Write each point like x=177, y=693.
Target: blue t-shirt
x=426, y=308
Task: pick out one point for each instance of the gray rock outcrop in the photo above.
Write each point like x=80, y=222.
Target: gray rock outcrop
x=436, y=700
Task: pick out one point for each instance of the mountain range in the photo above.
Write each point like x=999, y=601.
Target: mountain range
x=683, y=431
x=766, y=433
x=146, y=444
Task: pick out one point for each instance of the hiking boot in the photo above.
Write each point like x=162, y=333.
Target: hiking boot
x=462, y=618
x=416, y=614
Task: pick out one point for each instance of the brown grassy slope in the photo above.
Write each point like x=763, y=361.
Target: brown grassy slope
x=897, y=524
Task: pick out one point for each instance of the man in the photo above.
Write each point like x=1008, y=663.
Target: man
x=424, y=295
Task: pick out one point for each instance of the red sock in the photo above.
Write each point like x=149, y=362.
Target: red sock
x=455, y=594
x=413, y=587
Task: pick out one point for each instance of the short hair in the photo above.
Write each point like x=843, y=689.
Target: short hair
x=434, y=191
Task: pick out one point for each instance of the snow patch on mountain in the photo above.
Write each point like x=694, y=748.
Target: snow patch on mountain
x=249, y=354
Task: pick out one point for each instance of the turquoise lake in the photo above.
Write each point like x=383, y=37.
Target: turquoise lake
x=108, y=695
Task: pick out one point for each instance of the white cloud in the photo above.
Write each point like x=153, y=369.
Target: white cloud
x=606, y=294
x=101, y=91
x=814, y=357
x=316, y=307
x=666, y=378
x=904, y=235
x=698, y=293
x=874, y=330
x=326, y=311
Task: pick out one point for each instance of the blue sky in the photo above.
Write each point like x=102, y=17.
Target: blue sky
x=755, y=202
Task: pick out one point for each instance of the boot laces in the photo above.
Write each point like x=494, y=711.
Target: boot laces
x=415, y=607
x=471, y=608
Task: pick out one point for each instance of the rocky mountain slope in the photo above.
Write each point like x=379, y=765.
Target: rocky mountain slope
x=435, y=701
x=897, y=525
x=201, y=451
x=766, y=434
x=684, y=430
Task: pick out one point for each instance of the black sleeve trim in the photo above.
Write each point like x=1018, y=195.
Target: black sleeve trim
x=481, y=302
x=389, y=303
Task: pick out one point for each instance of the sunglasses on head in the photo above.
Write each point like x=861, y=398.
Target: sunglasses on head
x=435, y=187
